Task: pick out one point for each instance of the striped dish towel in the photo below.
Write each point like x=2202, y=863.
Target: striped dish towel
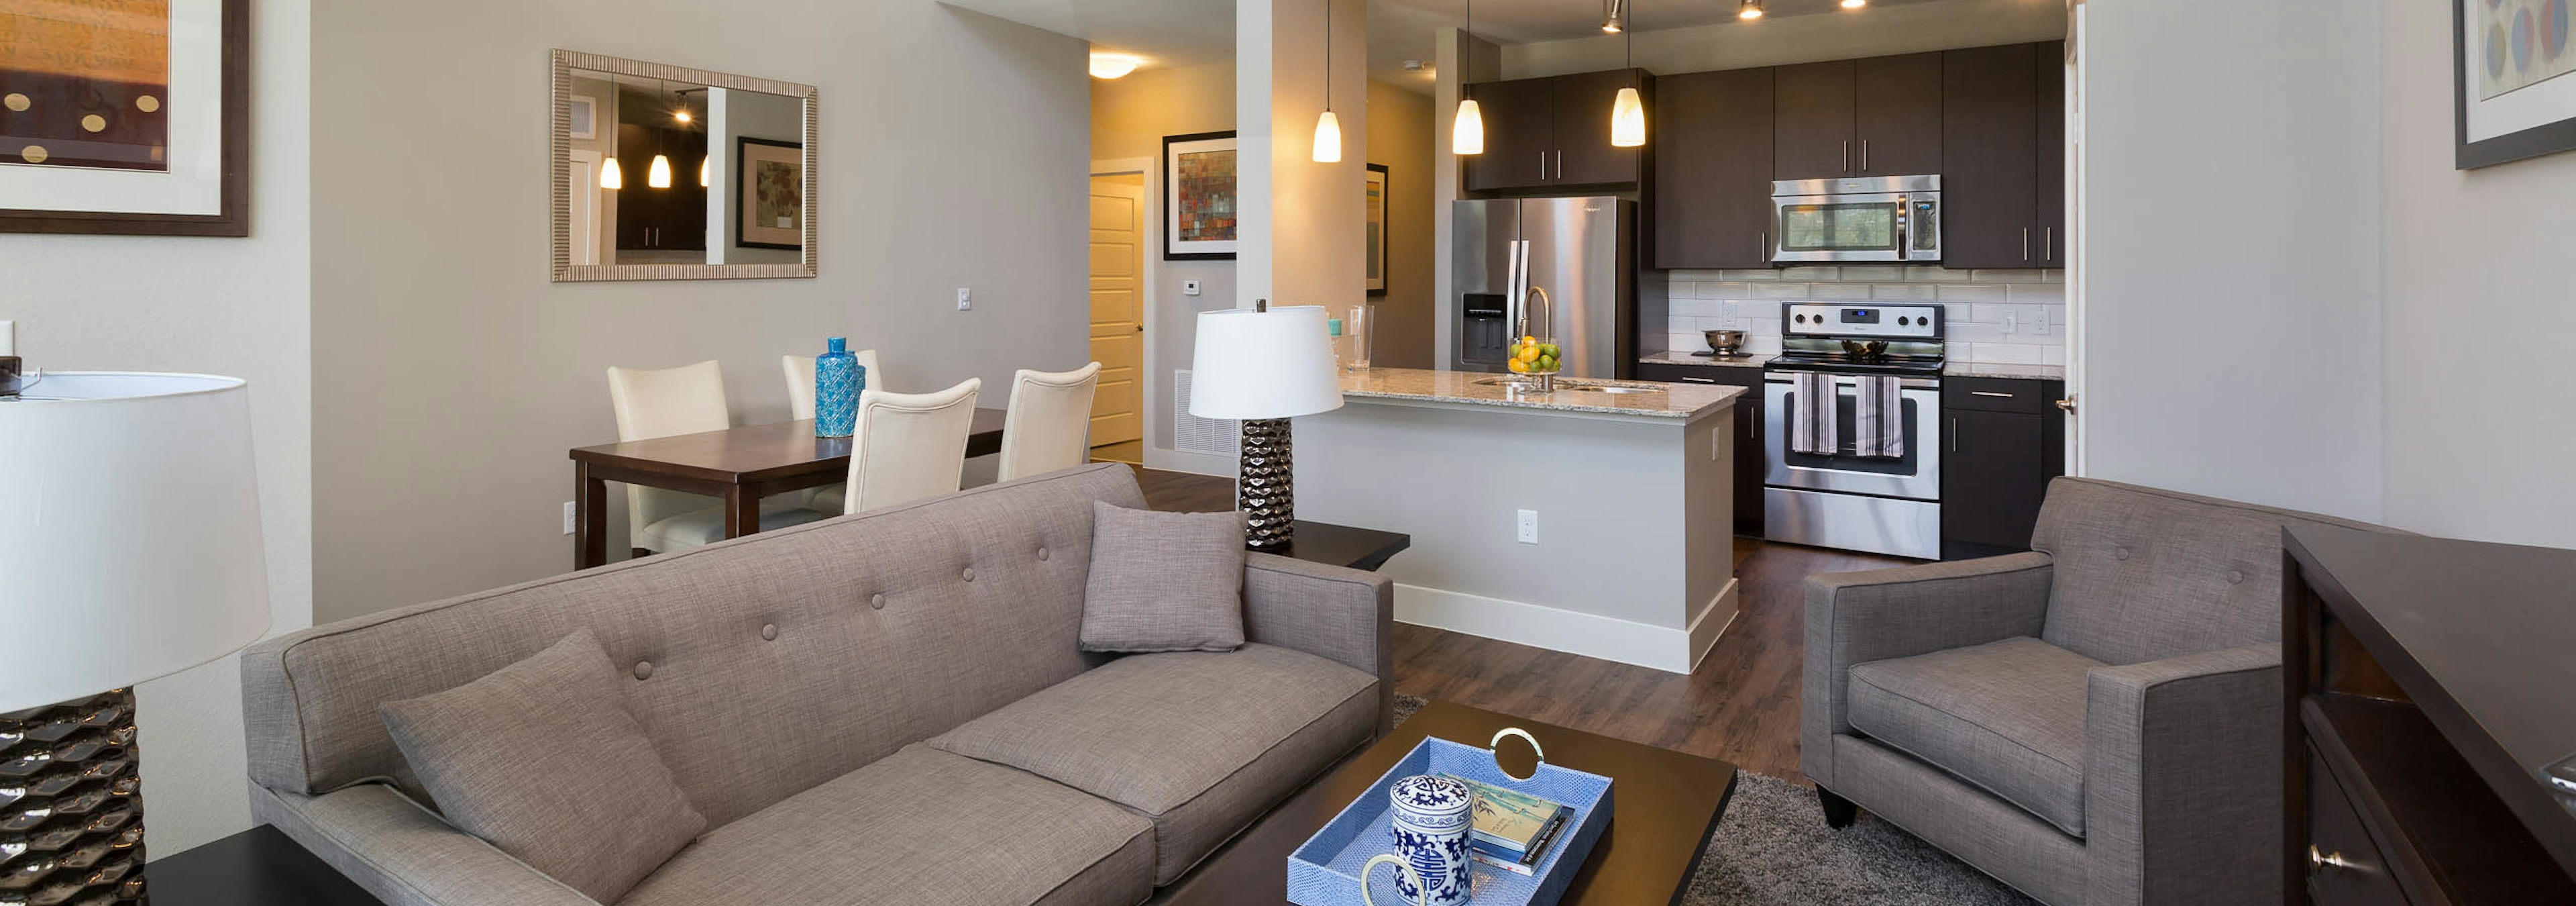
x=1816, y=429
x=1878, y=418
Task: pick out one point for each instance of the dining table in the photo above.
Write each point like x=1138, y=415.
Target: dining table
x=738, y=466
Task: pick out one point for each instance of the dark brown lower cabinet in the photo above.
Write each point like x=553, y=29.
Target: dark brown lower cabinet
x=1750, y=460
x=2002, y=440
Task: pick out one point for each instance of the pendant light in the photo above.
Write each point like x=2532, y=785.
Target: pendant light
x=1328, y=128
x=1611, y=20
x=1749, y=10
x=1467, y=130
x=1628, y=112
x=702, y=172
x=659, y=174
x=610, y=175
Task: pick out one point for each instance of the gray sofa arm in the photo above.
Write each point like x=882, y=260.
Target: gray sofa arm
x=1345, y=615
x=1859, y=617
x=403, y=854
x=2182, y=779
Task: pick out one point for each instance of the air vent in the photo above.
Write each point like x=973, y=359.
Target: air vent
x=1192, y=434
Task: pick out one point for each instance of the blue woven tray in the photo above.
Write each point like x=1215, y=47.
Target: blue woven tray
x=1325, y=871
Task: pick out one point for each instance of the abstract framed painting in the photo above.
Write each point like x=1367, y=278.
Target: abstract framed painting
x=1199, y=196
x=1375, y=208
x=2511, y=85
x=125, y=116
x=769, y=194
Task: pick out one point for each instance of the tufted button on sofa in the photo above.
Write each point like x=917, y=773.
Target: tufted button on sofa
x=933, y=752
x=2095, y=722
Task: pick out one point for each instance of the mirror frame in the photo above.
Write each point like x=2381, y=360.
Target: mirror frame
x=559, y=168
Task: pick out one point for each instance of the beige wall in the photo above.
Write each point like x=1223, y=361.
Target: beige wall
x=2476, y=280
x=1130, y=116
x=1879, y=31
x=1302, y=221
x=451, y=376
x=225, y=306
x=1399, y=136
x=1129, y=119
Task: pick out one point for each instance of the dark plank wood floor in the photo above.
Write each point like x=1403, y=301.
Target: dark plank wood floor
x=1740, y=705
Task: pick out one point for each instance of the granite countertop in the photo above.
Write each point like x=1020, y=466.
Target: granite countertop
x=1747, y=360
x=1674, y=401
x=2004, y=370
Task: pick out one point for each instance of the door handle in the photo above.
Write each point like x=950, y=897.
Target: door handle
x=2066, y=405
x=1864, y=155
x=1846, y=155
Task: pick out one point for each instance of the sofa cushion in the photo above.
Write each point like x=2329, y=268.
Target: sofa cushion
x=919, y=826
x=543, y=759
x=1163, y=581
x=2007, y=716
x=1201, y=742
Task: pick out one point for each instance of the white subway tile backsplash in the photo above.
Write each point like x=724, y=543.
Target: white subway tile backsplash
x=1811, y=273
x=1782, y=291
x=1902, y=292
x=2052, y=276
x=2052, y=355
x=1974, y=302
x=2031, y=275
x=1731, y=289
x=2046, y=293
x=1697, y=308
x=1935, y=275
x=1990, y=314
x=1838, y=292
x=1972, y=293
x=2011, y=353
x=1764, y=274
x=1975, y=332
x=1856, y=273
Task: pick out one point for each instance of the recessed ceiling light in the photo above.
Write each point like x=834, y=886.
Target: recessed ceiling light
x=1112, y=65
x=1855, y=4
x=1750, y=10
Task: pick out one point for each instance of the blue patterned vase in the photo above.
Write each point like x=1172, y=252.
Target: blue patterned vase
x=1432, y=816
x=838, y=378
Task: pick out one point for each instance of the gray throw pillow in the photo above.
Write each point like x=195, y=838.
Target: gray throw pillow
x=542, y=759
x=1163, y=581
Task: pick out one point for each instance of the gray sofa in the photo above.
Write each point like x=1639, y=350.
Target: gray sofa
x=2095, y=722
x=881, y=708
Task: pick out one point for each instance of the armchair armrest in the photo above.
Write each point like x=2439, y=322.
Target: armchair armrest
x=403, y=854
x=1854, y=618
x=1344, y=615
x=2182, y=779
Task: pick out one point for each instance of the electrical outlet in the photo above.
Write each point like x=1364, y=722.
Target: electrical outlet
x=8, y=338
x=1728, y=311
x=1189, y=287
x=572, y=517
x=965, y=299
x=1528, y=527
x=2012, y=322
x=2039, y=321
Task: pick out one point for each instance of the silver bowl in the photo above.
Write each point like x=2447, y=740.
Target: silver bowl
x=1724, y=342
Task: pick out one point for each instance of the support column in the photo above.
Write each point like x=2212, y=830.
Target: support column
x=1302, y=238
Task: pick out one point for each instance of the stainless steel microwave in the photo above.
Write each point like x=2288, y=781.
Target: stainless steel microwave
x=1870, y=218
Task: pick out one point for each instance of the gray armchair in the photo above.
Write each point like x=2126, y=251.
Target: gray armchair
x=2095, y=722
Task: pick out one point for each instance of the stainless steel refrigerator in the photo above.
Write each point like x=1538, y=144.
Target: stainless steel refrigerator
x=1580, y=254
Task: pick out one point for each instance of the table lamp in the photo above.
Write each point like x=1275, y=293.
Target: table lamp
x=1264, y=365
x=131, y=550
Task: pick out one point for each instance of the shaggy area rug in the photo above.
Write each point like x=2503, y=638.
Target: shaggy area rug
x=1772, y=849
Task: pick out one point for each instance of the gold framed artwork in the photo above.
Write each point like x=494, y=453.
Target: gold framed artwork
x=1375, y=208
x=125, y=117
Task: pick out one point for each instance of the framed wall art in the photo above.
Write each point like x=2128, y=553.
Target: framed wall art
x=125, y=116
x=1199, y=196
x=1376, y=216
x=2512, y=90
x=769, y=194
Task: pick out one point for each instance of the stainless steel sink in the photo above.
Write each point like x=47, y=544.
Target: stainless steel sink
x=1514, y=383
x=1620, y=389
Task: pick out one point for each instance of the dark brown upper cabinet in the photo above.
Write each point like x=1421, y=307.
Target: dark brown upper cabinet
x=1713, y=171
x=2003, y=193
x=1875, y=117
x=1553, y=132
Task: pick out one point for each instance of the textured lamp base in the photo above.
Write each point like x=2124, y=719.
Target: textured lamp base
x=1265, y=493
x=71, y=804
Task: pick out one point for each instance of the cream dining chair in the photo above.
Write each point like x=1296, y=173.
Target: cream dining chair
x=661, y=402
x=1049, y=424
x=909, y=445
x=800, y=380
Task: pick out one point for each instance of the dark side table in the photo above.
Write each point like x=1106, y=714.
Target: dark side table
x=1343, y=545
x=257, y=867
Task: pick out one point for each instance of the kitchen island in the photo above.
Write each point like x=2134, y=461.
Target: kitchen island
x=1596, y=520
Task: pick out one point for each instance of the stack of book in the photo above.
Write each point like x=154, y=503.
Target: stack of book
x=1513, y=830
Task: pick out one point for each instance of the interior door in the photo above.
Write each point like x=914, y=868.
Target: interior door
x=1896, y=115
x=1814, y=137
x=1117, y=309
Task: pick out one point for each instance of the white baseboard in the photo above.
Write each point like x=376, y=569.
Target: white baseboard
x=1674, y=650
x=1171, y=460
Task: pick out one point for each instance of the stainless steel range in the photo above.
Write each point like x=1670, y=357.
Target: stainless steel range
x=1888, y=504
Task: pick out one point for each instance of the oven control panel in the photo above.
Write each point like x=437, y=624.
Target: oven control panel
x=1895, y=322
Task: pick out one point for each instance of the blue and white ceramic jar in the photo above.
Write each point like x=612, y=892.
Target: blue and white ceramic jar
x=838, y=378
x=1432, y=817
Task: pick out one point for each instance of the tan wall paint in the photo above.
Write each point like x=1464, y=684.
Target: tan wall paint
x=1877, y=31
x=1129, y=118
x=451, y=376
x=1303, y=233
x=1399, y=136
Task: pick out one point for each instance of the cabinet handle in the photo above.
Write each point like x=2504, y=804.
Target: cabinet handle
x=1954, y=434
x=1989, y=393
x=1560, y=163
x=1762, y=246
x=2025, y=245
x=1847, y=157
x=1864, y=155
x=2319, y=860
x=2047, y=243
x=1699, y=380
x=1542, y=170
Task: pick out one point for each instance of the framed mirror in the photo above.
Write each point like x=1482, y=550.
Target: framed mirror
x=669, y=173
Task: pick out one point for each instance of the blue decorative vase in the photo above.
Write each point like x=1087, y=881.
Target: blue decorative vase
x=1433, y=817
x=838, y=378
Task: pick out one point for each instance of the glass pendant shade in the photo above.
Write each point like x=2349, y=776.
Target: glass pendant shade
x=1467, y=134
x=1627, y=119
x=610, y=176
x=702, y=172
x=1328, y=138
x=659, y=176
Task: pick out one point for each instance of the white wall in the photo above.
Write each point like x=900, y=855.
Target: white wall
x=2477, y=303
x=451, y=376
x=225, y=306
x=2232, y=305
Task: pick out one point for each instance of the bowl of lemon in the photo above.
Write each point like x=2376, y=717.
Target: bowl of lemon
x=1529, y=356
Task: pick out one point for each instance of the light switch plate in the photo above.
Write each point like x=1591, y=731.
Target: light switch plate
x=2012, y=322
x=965, y=299
x=572, y=516
x=1189, y=287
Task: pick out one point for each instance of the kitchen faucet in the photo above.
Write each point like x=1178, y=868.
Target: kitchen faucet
x=1547, y=380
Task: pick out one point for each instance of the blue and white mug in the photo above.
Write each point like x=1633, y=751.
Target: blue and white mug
x=1431, y=819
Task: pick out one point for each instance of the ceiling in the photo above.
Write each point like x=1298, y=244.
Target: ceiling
x=1165, y=33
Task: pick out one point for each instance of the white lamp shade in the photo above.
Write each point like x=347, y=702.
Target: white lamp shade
x=1264, y=364
x=132, y=548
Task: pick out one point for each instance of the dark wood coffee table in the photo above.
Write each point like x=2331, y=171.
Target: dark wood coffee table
x=1665, y=804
